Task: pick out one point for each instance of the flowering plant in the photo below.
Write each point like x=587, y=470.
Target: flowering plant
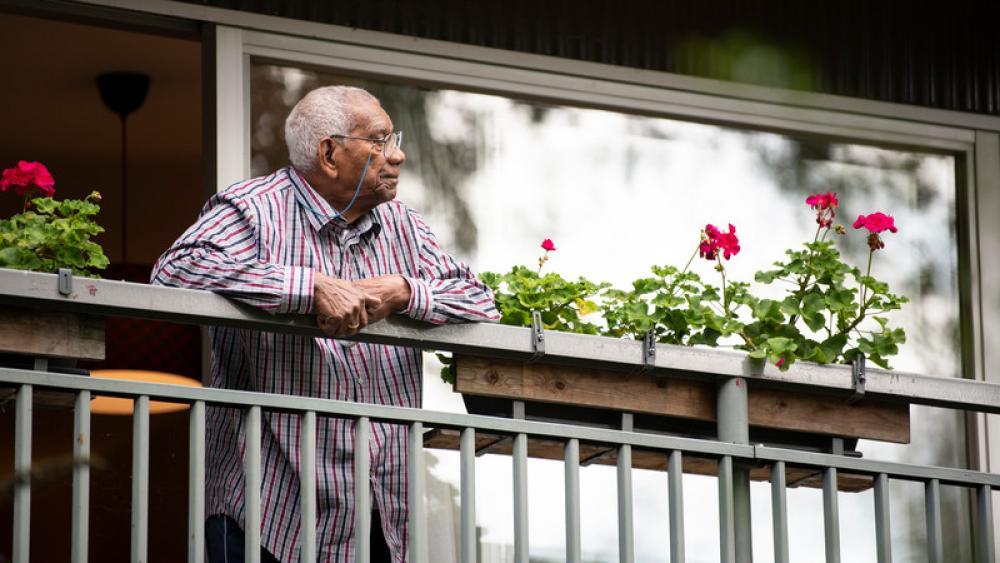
x=831, y=311
x=48, y=234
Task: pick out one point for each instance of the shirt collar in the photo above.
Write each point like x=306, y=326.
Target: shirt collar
x=321, y=214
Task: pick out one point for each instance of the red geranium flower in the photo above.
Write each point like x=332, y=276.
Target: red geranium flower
x=876, y=222
x=548, y=245
x=713, y=241
x=27, y=177
x=825, y=206
x=823, y=201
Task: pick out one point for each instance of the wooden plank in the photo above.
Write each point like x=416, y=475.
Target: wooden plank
x=51, y=334
x=680, y=398
x=602, y=454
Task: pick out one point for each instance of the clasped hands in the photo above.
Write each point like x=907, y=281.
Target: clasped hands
x=343, y=307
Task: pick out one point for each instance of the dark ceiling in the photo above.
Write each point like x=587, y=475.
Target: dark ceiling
x=941, y=55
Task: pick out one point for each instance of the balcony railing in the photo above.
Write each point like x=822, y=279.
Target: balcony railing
x=732, y=450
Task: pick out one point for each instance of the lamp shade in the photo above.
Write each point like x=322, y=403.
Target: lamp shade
x=117, y=406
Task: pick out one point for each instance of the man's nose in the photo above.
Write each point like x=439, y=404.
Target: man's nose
x=397, y=157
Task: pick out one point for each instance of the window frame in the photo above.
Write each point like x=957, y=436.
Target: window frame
x=232, y=37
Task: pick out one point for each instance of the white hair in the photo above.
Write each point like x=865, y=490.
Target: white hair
x=322, y=112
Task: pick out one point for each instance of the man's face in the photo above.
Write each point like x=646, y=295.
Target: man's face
x=382, y=176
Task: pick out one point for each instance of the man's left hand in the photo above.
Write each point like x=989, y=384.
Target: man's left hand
x=393, y=290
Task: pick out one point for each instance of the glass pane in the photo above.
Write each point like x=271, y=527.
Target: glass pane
x=620, y=192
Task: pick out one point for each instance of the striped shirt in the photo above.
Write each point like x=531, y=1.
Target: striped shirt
x=260, y=242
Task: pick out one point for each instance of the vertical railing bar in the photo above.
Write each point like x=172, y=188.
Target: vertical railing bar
x=779, y=511
x=251, y=493
x=831, y=515
x=196, y=482
x=468, y=494
x=417, y=530
x=362, y=491
x=22, y=474
x=572, y=467
x=520, y=468
x=727, y=532
x=675, y=488
x=140, y=478
x=307, y=488
x=935, y=539
x=626, y=545
x=883, y=529
x=984, y=516
x=732, y=400
x=81, y=478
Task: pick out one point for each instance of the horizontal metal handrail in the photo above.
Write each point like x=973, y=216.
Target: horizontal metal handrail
x=106, y=297
x=349, y=409
x=435, y=419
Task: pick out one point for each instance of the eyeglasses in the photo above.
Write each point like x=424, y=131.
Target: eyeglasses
x=389, y=143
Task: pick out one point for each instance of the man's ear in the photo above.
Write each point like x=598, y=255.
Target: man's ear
x=325, y=157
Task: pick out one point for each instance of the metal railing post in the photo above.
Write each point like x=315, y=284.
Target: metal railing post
x=985, y=548
x=626, y=539
x=468, y=494
x=932, y=503
x=520, y=498
x=307, y=488
x=675, y=485
x=22, y=474
x=362, y=490
x=81, y=477
x=734, y=426
x=140, y=479
x=417, y=526
x=831, y=515
x=196, y=482
x=572, y=455
x=779, y=512
x=251, y=487
x=883, y=527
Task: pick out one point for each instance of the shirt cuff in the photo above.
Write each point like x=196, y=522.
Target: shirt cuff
x=297, y=290
x=421, y=300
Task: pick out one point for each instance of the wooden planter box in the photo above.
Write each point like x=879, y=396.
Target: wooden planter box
x=62, y=338
x=51, y=334
x=668, y=405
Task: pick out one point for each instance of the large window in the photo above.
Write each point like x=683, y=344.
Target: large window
x=619, y=192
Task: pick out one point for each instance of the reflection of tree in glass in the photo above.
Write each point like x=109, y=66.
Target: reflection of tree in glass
x=443, y=164
x=870, y=174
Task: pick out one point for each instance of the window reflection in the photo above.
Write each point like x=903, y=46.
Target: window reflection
x=619, y=192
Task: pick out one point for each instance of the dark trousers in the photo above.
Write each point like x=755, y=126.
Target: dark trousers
x=224, y=541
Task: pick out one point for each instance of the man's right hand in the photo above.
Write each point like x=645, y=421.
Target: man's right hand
x=340, y=305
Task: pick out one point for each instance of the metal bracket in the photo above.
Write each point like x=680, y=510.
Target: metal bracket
x=495, y=443
x=857, y=379
x=65, y=282
x=597, y=456
x=517, y=413
x=537, y=337
x=628, y=425
x=648, y=352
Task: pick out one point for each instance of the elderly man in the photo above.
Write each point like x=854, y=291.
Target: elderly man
x=322, y=237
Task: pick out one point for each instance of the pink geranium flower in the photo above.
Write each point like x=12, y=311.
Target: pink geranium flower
x=548, y=245
x=28, y=177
